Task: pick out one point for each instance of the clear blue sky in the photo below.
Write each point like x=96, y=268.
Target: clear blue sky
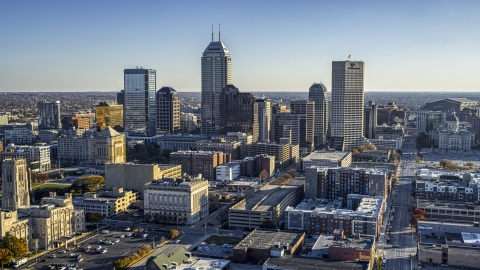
x=275, y=45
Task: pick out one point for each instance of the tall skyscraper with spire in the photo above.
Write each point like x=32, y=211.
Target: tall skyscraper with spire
x=347, y=104
x=318, y=93
x=216, y=74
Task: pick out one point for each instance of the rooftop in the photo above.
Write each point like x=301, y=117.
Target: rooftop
x=429, y=203
x=268, y=239
x=264, y=199
x=303, y=263
x=323, y=156
x=363, y=244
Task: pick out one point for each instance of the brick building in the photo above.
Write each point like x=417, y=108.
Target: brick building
x=199, y=162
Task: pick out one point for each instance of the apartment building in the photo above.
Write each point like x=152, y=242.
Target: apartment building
x=199, y=162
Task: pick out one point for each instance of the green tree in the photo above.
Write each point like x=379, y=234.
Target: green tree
x=87, y=183
x=5, y=256
x=422, y=141
x=173, y=234
x=94, y=218
x=17, y=246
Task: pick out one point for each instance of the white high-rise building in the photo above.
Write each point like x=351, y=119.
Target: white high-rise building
x=318, y=93
x=347, y=104
x=216, y=74
x=140, y=104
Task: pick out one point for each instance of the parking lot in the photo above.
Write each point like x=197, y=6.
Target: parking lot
x=125, y=246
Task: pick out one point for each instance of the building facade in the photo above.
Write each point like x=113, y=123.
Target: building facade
x=216, y=74
x=238, y=112
x=176, y=201
x=109, y=147
x=199, y=162
x=48, y=114
x=318, y=94
x=305, y=108
x=75, y=148
x=15, y=184
x=139, y=104
x=370, y=120
x=109, y=115
x=168, y=111
x=264, y=120
x=347, y=102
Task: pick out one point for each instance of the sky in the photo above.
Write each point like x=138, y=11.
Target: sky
x=274, y=45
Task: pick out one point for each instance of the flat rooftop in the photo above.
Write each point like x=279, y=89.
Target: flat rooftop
x=362, y=244
x=326, y=156
x=304, y=263
x=319, y=205
x=320, y=248
x=265, y=199
x=203, y=263
x=267, y=239
x=430, y=203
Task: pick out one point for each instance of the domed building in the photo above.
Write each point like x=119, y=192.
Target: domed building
x=450, y=136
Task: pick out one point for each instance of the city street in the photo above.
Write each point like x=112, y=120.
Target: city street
x=401, y=246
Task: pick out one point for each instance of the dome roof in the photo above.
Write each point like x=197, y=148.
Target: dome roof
x=167, y=89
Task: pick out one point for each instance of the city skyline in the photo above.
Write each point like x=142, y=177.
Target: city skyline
x=276, y=46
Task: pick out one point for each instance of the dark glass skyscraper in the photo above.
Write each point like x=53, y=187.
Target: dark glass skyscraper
x=238, y=112
x=318, y=93
x=139, y=102
x=49, y=114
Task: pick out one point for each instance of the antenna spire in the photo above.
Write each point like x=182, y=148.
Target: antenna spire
x=219, y=33
x=212, y=32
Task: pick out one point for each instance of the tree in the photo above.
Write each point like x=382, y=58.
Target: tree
x=292, y=172
x=173, y=234
x=263, y=175
x=469, y=164
x=355, y=152
x=416, y=215
x=17, y=246
x=37, y=177
x=371, y=147
x=88, y=183
x=5, y=256
x=361, y=148
x=94, y=218
x=422, y=141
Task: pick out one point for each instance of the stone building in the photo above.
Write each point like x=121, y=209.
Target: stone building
x=110, y=147
x=15, y=184
x=199, y=162
x=176, y=201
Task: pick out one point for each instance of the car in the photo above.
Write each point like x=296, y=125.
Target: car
x=72, y=255
x=127, y=229
x=117, y=241
x=178, y=241
x=212, y=245
x=63, y=251
x=145, y=235
x=122, y=236
x=200, y=249
x=206, y=248
x=136, y=215
x=230, y=234
x=79, y=259
x=52, y=256
x=129, y=234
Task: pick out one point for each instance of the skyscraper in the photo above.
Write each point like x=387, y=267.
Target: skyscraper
x=139, y=103
x=347, y=104
x=318, y=93
x=238, y=112
x=305, y=108
x=15, y=184
x=168, y=111
x=49, y=114
x=216, y=74
x=370, y=120
x=264, y=120
x=109, y=115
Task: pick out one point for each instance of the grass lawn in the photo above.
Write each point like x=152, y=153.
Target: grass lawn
x=51, y=186
x=220, y=240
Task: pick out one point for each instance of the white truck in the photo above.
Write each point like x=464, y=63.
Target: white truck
x=20, y=262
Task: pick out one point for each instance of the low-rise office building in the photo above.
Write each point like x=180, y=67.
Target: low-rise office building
x=228, y=171
x=106, y=202
x=285, y=154
x=132, y=176
x=199, y=162
x=265, y=207
x=230, y=147
x=260, y=245
x=352, y=249
x=181, y=201
x=449, y=210
x=327, y=159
